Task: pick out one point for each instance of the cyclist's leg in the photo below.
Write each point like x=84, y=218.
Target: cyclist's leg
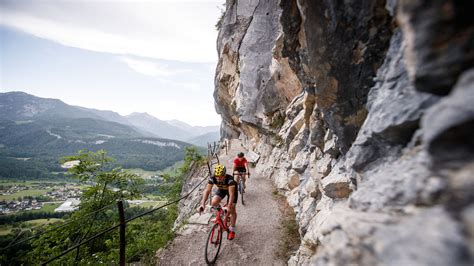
x=233, y=211
x=216, y=199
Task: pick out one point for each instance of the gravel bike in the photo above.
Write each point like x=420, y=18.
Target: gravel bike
x=214, y=239
x=240, y=184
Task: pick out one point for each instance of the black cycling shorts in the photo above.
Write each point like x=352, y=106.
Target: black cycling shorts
x=223, y=193
x=241, y=169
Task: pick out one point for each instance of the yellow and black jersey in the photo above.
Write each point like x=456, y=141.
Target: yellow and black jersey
x=224, y=185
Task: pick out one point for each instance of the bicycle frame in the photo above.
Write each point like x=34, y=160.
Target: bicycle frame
x=219, y=212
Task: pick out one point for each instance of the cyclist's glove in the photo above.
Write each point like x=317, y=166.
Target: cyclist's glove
x=200, y=209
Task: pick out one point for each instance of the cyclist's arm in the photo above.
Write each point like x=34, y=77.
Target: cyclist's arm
x=205, y=195
x=247, y=167
x=234, y=167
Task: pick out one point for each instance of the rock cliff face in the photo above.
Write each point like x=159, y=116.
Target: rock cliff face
x=363, y=114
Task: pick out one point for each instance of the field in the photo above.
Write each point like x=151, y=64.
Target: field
x=24, y=193
x=173, y=167
x=47, y=207
x=33, y=182
x=155, y=197
x=5, y=230
x=38, y=222
x=143, y=173
x=149, y=204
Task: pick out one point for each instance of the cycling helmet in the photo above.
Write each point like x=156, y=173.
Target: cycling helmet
x=240, y=154
x=219, y=170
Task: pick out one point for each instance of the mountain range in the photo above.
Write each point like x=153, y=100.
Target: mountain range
x=35, y=132
x=18, y=106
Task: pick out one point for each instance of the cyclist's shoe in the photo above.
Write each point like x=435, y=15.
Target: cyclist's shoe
x=231, y=235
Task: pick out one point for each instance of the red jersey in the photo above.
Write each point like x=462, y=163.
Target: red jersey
x=240, y=163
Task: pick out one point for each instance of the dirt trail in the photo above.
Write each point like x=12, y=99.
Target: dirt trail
x=258, y=229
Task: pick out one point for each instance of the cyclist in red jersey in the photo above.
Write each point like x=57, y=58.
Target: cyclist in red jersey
x=242, y=166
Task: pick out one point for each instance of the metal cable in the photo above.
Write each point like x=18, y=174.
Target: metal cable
x=55, y=228
x=126, y=221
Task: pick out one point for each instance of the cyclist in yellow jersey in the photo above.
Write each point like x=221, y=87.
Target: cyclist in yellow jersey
x=226, y=187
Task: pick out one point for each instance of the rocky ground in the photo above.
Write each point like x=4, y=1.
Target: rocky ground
x=258, y=228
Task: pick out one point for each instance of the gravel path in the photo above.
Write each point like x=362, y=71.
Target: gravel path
x=258, y=229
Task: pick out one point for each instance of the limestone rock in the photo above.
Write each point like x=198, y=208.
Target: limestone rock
x=436, y=60
x=338, y=184
x=449, y=125
x=362, y=114
x=395, y=109
x=417, y=238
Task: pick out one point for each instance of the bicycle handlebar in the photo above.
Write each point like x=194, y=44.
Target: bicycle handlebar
x=218, y=207
x=240, y=173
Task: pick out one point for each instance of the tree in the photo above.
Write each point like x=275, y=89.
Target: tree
x=97, y=212
x=107, y=187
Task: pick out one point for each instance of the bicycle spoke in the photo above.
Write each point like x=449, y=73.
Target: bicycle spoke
x=213, y=244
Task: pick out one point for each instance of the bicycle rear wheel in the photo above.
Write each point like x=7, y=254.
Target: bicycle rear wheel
x=213, y=244
x=242, y=191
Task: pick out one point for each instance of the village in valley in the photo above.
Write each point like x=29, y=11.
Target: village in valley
x=33, y=196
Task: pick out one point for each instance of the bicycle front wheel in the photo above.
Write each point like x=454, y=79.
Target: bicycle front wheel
x=242, y=191
x=213, y=244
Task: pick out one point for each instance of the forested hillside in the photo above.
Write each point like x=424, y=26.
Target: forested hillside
x=35, y=133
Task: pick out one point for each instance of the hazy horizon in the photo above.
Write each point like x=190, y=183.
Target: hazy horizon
x=122, y=114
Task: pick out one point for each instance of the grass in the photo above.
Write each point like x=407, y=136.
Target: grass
x=149, y=204
x=290, y=239
x=16, y=183
x=33, y=182
x=143, y=173
x=37, y=222
x=5, y=230
x=23, y=193
x=47, y=207
x=148, y=174
x=155, y=197
x=175, y=166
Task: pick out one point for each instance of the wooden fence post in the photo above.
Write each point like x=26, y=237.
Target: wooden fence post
x=122, y=232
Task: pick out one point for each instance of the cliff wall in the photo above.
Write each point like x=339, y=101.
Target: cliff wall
x=363, y=114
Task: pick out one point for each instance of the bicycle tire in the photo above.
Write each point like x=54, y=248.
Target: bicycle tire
x=242, y=191
x=216, y=230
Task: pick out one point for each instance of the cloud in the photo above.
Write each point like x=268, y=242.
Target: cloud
x=172, y=30
x=151, y=68
x=190, y=86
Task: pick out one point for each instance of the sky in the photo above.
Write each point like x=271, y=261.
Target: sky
x=129, y=56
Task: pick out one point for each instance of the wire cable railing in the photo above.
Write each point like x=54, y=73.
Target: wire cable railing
x=212, y=159
x=121, y=224
x=53, y=228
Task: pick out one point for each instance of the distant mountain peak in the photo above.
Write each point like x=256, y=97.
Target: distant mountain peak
x=18, y=106
x=140, y=114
